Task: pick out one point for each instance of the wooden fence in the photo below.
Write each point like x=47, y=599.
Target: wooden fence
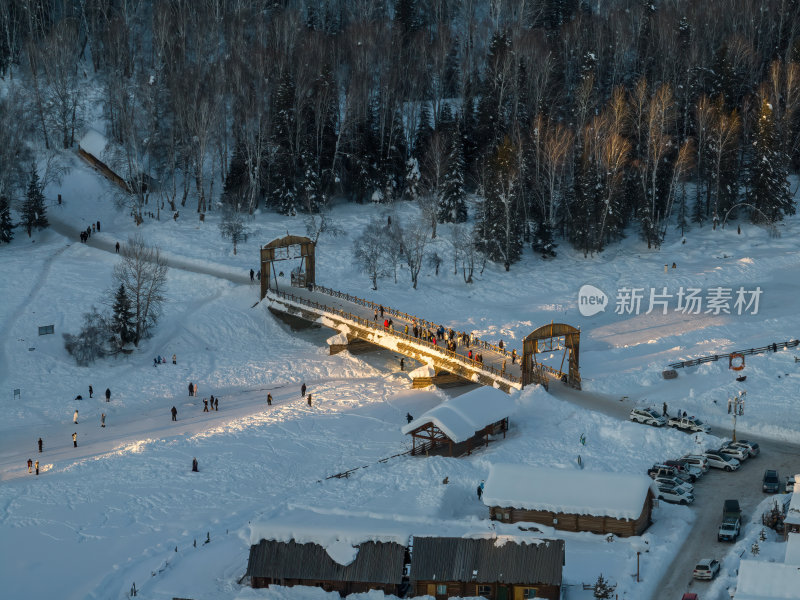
x=370, y=324
x=715, y=357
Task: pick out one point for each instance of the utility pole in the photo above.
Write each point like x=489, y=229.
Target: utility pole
x=736, y=404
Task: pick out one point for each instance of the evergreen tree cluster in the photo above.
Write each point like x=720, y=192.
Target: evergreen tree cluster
x=569, y=121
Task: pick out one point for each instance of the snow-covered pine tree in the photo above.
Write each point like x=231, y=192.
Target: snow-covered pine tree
x=34, y=212
x=422, y=136
x=283, y=194
x=123, y=321
x=768, y=188
x=6, y=226
x=452, y=204
x=602, y=589
x=544, y=243
x=311, y=186
x=500, y=234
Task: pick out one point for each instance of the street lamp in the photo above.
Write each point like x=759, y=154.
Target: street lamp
x=736, y=405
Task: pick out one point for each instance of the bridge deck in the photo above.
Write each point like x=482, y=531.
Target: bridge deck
x=358, y=314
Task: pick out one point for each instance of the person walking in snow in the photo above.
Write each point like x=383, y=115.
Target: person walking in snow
x=174, y=359
x=252, y=276
x=195, y=390
x=194, y=466
x=75, y=417
x=40, y=445
x=174, y=412
x=98, y=227
x=205, y=404
x=30, y=464
x=91, y=391
x=117, y=247
x=309, y=399
x=103, y=420
x=216, y=403
x=303, y=390
x=665, y=409
x=409, y=418
x=37, y=467
x=269, y=399
x=191, y=388
x=402, y=363
x=108, y=394
x=480, y=490
x=75, y=439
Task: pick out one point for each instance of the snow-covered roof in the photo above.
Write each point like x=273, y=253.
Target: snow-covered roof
x=459, y=418
x=759, y=580
x=793, y=550
x=616, y=495
x=93, y=142
x=793, y=512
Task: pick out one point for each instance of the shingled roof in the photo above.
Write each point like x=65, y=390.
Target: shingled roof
x=487, y=560
x=376, y=562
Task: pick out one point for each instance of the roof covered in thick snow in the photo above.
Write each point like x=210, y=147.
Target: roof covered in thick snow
x=616, y=495
x=93, y=142
x=793, y=512
x=759, y=580
x=793, y=550
x=460, y=417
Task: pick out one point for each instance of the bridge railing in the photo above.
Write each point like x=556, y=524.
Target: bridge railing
x=370, y=324
x=408, y=317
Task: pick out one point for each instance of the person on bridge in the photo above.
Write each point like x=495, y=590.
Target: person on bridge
x=303, y=390
x=380, y=308
x=269, y=399
x=174, y=412
x=514, y=356
x=386, y=324
x=500, y=344
x=108, y=394
x=75, y=439
x=375, y=318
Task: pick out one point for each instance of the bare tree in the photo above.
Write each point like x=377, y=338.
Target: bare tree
x=322, y=224
x=415, y=241
x=143, y=272
x=369, y=252
x=233, y=226
x=465, y=253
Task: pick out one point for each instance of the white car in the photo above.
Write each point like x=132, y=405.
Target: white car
x=740, y=454
x=647, y=416
x=697, y=461
x=707, y=568
x=674, y=495
x=720, y=461
x=675, y=482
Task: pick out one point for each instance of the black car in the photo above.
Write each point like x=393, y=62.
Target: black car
x=771, y=483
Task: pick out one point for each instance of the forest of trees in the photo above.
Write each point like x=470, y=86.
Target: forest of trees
x=569, y=120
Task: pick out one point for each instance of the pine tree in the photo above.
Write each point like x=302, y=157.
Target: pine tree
x=602, y=589
x=34, y=213
x=422, y=136
x=311, y=185
x=234, y=189
x=768, y=188
x=6, y=226
x=123, y=321
x=544, y=242
x=500, y=233
x=283, y=194
x=452, y=204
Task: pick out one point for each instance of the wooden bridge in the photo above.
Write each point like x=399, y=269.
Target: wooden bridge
x=360, y=323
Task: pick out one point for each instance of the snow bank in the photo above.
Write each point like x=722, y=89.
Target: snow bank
x=460, y=417
x=617, y=495
x=423, y=371
x=94, y=143
x=339, y=338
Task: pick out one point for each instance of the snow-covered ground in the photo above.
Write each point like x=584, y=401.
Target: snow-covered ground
x=124, y=506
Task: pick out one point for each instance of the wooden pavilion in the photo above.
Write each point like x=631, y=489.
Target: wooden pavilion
x=461, y=424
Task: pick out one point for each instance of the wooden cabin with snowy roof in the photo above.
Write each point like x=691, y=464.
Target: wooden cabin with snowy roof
x=459, y=425
x=571, y=500
x=339, y=567
x=501, y=568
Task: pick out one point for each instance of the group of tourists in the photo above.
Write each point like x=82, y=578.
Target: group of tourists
x=214, y=403
x=162, y=360
x=85, y=235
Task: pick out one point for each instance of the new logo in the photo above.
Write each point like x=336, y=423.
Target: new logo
x=591, y=300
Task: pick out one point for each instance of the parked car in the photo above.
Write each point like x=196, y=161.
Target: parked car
x=720, y=461
x=685, y=467
x=707, y=568
x=647, y=416
x=771, y=483
x=674, y=495
x=676, y=482
x=752, y=447
x=729, y=530
x=740, y=454
x=688, y=424
x=667, y=471
x=696, y=461
x=731, y=509
x=790, y=484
